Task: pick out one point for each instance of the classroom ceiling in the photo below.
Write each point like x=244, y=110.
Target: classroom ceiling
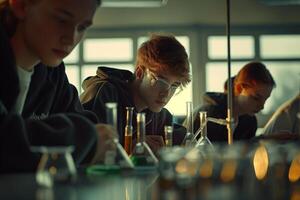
x=203, y=12
x=133, y=3
x=280, y=2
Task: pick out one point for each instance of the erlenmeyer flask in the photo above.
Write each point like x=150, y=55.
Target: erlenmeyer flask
x=128, y=131
x=188, y=139
x=203, y=141
x=56, y=165
x=142, y=155
x=115, y=155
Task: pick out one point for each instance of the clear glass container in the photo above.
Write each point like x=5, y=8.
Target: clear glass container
x=56, y=165
x=116, y=155
x=142, y=155
x=169, y=136
x=128, y=131
x=188, y=139
x=203, y=142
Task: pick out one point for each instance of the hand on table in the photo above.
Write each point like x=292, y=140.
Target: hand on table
x=106, y=134
x=155, y=142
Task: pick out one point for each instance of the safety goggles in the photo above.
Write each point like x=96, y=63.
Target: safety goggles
x=162, y=84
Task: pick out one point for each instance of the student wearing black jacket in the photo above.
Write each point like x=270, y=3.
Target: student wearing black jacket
x=38, y=106
x=114, y=85
x=252, y=86
x=162, y=68
x=215, y=104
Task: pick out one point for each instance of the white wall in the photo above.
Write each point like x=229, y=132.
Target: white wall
x=189, y=12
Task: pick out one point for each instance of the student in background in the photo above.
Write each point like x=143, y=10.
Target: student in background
x=252, y=86
x=162, y=69
x=286, y=119
x=249, y=119
x=38, y=106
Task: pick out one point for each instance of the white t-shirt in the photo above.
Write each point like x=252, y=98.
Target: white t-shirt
x=24, y=79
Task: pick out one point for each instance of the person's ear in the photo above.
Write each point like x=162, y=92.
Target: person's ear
x=238, y=88
x=18, y=8
x=139, y=73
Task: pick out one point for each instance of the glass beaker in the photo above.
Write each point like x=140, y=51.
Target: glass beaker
x=115, y=155
x=142, y=155
x=56, y=165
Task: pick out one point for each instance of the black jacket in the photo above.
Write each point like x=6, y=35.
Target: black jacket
x=113, y=85
x=52, y=115
x=216, y=106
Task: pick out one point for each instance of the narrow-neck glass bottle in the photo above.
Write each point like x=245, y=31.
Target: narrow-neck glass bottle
x=128, y=131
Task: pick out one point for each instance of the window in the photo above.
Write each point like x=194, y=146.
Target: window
x=241, y=47
x=72, y=72
x=280, y=52
x=118, y=53
x=217, y=74
x=280, y=46
x=111, y=49
x=72, y=69
x=275, y=52
x=286, y=73
x=287, y=78
x=112, y=52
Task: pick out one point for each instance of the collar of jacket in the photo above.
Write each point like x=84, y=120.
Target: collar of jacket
x=91, y=84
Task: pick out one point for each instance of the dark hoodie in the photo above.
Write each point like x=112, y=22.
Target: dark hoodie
x=52, y=115
x=215, y=104
x=113, y=85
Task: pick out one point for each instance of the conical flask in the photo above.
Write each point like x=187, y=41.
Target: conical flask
x=56, y=165
x=142, y=155
x=115, y=155
x=188, y=139
x=128, y=131
x=204, y=143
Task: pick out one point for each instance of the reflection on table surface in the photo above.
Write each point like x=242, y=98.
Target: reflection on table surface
x=240, y=171
x=119, y=186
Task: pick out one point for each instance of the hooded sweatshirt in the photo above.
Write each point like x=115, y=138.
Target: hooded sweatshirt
x=215, y=104
x=51, y=116
x=113, y=85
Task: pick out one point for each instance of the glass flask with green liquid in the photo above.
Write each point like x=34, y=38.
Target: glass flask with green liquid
x=142, y=155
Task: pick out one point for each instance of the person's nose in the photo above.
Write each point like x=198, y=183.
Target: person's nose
x=165, y=92
x=69, y=36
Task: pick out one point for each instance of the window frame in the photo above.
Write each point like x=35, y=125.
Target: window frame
x=198, y=36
